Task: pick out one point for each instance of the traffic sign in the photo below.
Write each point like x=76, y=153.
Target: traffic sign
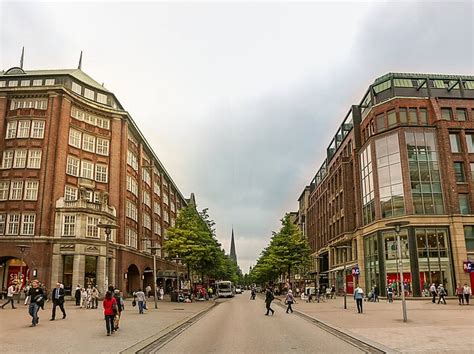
x=355, y=271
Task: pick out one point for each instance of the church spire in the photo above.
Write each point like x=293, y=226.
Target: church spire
x=79, y=66
x=22, y=57
x=233, y=255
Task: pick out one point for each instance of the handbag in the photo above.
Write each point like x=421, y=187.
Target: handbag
x=115, y=308
x=134, y=303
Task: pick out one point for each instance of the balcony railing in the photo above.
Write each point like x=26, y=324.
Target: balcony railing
x=84, y=204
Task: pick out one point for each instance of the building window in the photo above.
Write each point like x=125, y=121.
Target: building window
x=461, y=114
x=11, y=129
x=29, y=103
x=392, y=118
x=7, y=161
x=31, y=190
x=132, y=185
x=157, y=227
x=28, y=224
x=147, y=221
x=103, y=123
x=72, y=166
x=165, y=198
x=454, y=140
x=101, y=173
x=459, y=172
x=70, y=193
x=87, y=169
x=3, y=218
x=23, y=129
x=90, y=270
x=469, y=238
x=103, y=147
x=156, y=188
x=25, y=83
x=4, y=189
x=101, y=98
x=131, y=210
x=20, y=159
x=446, y=114
x=12, y=83
x=424, y=173
x=88, y=143
x=464, y=204
x=34, y=158
x=157, y=208
x=76, y=88
x=88, y=93
x=423, y=116
x=380, y=123
x=166, y=216
x=13, y=224
x=412, y=116
x=16, y=190
x=389, y=171
x=131, y=238
x=146, y=198
x=470, y=142
x=49, y=82
x=2, y=83
x=403, y=115
x=37, y=82
x=132, y=160
x=146, y=177
x=69, y=225
x=37, y=130
x=92, y=229
x=75, y=138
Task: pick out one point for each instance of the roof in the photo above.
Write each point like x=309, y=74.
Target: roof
x=422, y=76
x=76, y=73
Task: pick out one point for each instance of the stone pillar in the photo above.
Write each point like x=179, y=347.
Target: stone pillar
x=78, y=270
x=101, y=274
x=113, y=273
x=56, y=270
x=458, y=247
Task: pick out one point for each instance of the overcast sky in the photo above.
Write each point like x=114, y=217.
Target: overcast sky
x=240, y=100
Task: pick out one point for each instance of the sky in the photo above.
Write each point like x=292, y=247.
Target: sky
x=240, y=99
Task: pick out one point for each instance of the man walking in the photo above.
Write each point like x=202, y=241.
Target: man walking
x=95, y=297
x=148, y=291
x=433, y=293
x=467, y=292
x=58, y=300
x=77, y=295
x=268, y=300
x=359, y=296
x=141, y=299
x=37, y=298
x=10, y=293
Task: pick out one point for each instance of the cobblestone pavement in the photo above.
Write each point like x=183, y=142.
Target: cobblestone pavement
x=430, y=327
x=84, y=330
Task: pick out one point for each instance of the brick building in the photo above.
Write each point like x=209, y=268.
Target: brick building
x=405, y=152
x=72, y=157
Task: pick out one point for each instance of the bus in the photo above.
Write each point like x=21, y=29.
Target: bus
x=224, y=288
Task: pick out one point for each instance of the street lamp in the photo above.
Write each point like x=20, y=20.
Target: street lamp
x=154, y=249
x=345, y=248
x=397, y=225
x=176, y=259
x=318, y=271
x=107, y=229
x=23, y=249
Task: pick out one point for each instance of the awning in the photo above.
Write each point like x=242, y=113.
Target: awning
x=348, y=266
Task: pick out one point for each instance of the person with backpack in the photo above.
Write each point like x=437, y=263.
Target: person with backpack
x=289, y=300
x=120, y=308
x=268, y=300
x=441, y=294
x=389, y=293
x=358, y=297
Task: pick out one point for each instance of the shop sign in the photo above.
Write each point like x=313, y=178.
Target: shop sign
x=468, y=267
x=356, y=271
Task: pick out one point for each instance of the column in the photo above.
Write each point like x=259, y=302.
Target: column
x=56, y=270
x=78, y=270
x=101, y=274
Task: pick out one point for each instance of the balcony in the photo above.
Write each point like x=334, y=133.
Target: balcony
x=84, y=204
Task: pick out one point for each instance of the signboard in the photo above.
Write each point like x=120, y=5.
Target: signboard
x=355, y=271
x=468, y=267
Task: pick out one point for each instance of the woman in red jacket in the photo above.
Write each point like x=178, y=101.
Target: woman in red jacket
x=110, y=309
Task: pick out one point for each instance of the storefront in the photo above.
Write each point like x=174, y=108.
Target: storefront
x=426, y=259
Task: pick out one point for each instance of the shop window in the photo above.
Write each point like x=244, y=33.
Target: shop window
x=459, y=172
x=446, y=114
x=392, y=274
x=68, y=267
x=461, y=114
x=464, y=204
x=90, y=271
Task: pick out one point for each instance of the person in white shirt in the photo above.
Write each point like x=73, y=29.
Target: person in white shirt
x=141, y=299
x=10, y=292
x=467, y=292
x=148, y=291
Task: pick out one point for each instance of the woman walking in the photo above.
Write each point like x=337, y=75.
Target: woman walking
x=110, y=308
x=289, y=300
x=459, y=293
x=120, y=308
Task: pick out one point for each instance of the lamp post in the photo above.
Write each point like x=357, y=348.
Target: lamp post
x=345, y=248
x=176, y=259
x=23, y=249
x=397, y=226
x=318, y=271
x=154, y=249
x=108, y=230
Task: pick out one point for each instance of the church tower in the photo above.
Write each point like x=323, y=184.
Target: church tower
x=233, y=255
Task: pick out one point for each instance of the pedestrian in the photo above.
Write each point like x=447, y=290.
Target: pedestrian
x=58, y=300
x=467, y=292
x=89, y=296
x=333, y=292
x=77, y=295
x=460, y=294
x=120, y=307
x=141, y=299
x=162, y=293
x=268, y=300
x=110, y=309
x=376, y=293
x=359, y=296
x=441, y=294
x=433, y=293
x=389, y=294
x=148, y=291
x=83, y=298
x=37, y=299
x=253, y=293
x=95, y=297
x=10, y=293
x=289, y=300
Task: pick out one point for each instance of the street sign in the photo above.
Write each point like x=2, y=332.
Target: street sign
x=356, y=271
x=468, y=267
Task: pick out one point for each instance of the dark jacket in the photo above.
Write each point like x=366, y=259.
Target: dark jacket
x=269, y=296
x=37, y=296
x=60, y=299
x=77, y=294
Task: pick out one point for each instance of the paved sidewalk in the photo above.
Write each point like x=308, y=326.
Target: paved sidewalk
x=84, y=330
x=430, y=327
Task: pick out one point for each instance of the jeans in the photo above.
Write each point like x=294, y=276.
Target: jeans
x=466, y=297
x=33, y=309
x=461, y=299
x=359, y=305
x=433, y=294
x=141, y=306
x=289, y=307
x=268, y=307
x=109, y=323
x=9, y=300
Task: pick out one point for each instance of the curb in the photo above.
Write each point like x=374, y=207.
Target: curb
x=365, y=344
x=159, y=339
